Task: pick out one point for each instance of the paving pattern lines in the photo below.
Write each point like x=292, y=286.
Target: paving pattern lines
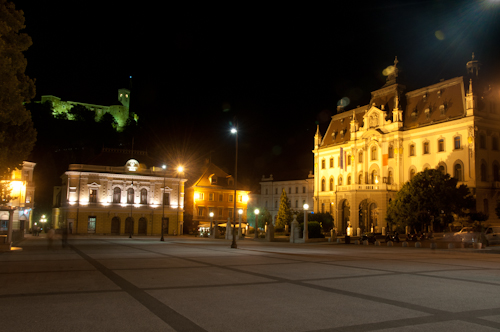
x=445, y=316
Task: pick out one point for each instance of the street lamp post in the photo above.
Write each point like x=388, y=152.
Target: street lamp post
x=163, y=201
x=256, y=235
x=43, y=220
x=179, y=171
x=306, y=230
x=235, y=131
x=212, y=234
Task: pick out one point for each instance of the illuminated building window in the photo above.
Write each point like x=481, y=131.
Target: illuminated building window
x=166, y=198
x=201, y=211
x=230, y=198
x=349, y=180
x=390, y=178
x=211, y=196
x=412, y=150
x=303, y=190
x=144, y=196
x=349, y=160
x=240, y=198
x=130, y=196
x=221, y=196
x=391, y=151
x=340, y=180
x=323, y=164
x=374, y=177
x=494, y=143
x=426, y=148
x=441, y=145
x=91, y=224
x=323, y=185
x=93, y=195
x=374, y=153
x=360, y=157
x=456, y=141
x=412, y=173
x=482, y=141
x=117, y=194
x=331, y=184
x=457, y=172
x=331, y=162
x=360, y=178
x=220, y=211
x=230, y=212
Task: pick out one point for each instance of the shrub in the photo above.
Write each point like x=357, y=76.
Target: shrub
x=314, y=230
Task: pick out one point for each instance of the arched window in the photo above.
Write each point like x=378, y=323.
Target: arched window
x=483, y=171
x=482, y=141
x=374, y=153
x=340, y=180
x=360, y=178
x=323, y=164
x=426, y=148
x=496, y=172
x=349, y=180
x=323, y=184
x=374, y=177
x=456, y=142
x=130, y=196
x=144, y=196
x=331, y=184
x=117, y=195
x=457, y=172
x=412, y=173
x=412, y=150
x=390, y=179
x=441, y=145
x=348, y=160
x=360, y=157
x=442, y=168
x=391, y=151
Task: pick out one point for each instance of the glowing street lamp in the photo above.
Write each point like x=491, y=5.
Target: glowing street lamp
x=212, y=234
x=306, y=231
x=256, y=235
x=240, y=212
x=235, y=132
x=180, y=169
x=163, y=201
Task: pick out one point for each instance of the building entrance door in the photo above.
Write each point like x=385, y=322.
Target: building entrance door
x=143, y=227
x=115, y=225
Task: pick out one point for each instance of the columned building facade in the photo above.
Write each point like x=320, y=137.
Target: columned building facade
x=368, y=153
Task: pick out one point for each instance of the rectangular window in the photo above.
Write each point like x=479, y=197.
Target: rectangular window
x=93, y=196
x=211, y=196
x=240, y=198
x=230, y=197
x=323, y=164
x=303, y=190
x=289, y=190
x=296, y=190
x=275, y=204
x=412, y=150
x=221, y=197
x=331, y=162
x=456, y=140
x=426, y=148
x=91, y=225
x=220, y=212
x=166, y=199
x=201, y=210
x=441, y=145
x=391, y=151
x=4, y=224
x=276, y=191
x=230, y=213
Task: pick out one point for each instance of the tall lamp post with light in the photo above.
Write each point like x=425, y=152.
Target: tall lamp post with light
x=306, y=230
x=235, y=132
x=212, y=233
x=256, y=235
x=240, y=212
x=180, y=169
x=163, y=201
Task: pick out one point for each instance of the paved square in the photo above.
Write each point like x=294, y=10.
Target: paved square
x=195, y=284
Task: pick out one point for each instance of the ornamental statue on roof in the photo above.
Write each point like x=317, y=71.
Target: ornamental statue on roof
x=392, y=73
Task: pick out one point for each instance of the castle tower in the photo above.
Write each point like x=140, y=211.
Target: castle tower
x=124, y=97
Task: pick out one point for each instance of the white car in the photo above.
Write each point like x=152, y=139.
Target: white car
x=492, y=235
x=465, y=235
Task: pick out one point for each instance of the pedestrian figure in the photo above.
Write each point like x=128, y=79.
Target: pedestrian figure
x=50, y=238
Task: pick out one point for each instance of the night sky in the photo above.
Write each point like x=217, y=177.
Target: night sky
x=279, y=70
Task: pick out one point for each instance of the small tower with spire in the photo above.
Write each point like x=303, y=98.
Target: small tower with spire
x=473, y=67
x=317, y=138
x=470, y=101
x=354, y=124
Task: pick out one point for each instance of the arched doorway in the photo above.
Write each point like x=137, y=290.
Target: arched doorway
x=368, y=216
x=129, y=225
x=344, y=216
x=373, y=217
x=143, y=226
x=115, y=225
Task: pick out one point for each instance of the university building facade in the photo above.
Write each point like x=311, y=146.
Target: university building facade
x=368, y=153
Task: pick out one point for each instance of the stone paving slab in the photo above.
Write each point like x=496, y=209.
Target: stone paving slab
x=455, y=326
x=76, y=264
x=399, y=265
x=147, y=263
x=79, y=312
x=440, y=294
x=255, y=308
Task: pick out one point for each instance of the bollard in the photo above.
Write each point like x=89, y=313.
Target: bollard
x=365, y=242
x=418, y=244
x=356, y=242
x=389, y=243
x=338, y=240
x=451, y=246
x=377, y=243
x=405, y=244
x=433, y=245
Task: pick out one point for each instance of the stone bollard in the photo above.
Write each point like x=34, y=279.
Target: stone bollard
x=356, y=242
x=477, y=245
x=451, y=246
x=270, y=233
x=404, y=244
x=365, y=242
x=418, y=244
x=338, y=240
x=389, y=243
x=377, y=243
x=433, y=245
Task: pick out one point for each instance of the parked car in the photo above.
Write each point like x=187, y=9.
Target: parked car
x=466, y=234
x=492, y=235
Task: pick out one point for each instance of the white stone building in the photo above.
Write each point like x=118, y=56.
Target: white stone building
x=369, y=152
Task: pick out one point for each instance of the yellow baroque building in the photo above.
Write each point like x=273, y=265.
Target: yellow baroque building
x=128, y=199
x=368, y=153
